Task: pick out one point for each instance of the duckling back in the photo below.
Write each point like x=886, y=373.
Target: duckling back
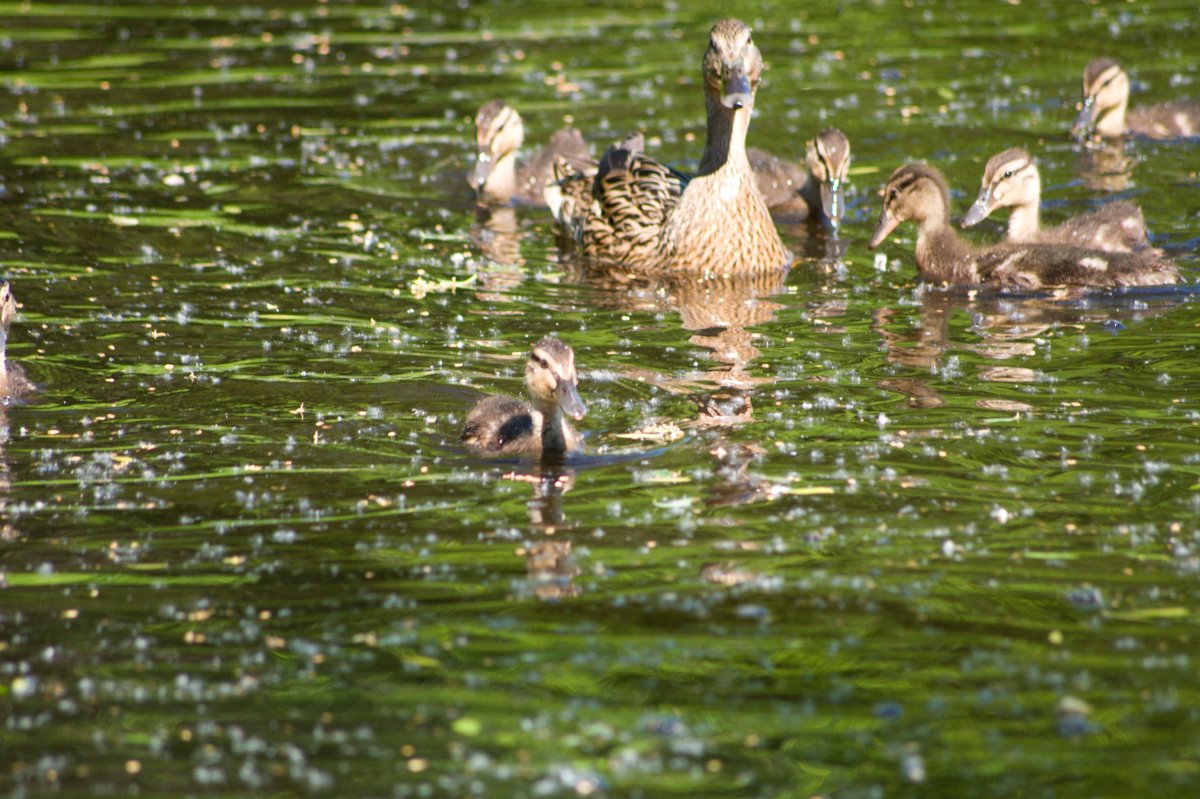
x=503, y=426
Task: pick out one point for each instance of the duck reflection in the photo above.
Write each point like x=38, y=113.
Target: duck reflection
x=1007, y=327
x=549, y=566
x=1106, y=166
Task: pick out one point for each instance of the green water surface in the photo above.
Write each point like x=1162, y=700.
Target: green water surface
x=910, y=544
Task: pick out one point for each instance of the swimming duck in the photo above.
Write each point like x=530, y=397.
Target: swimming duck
x=509, y=426
x=796, y=195
x=1105, y=98
x=13, y=382
x=499, y=133
x=919, y=192
x=1011, y=180
x=643, y=215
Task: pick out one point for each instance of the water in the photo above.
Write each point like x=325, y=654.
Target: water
x=909, y=544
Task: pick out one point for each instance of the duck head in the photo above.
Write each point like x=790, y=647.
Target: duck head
x=914, y=191
x=551, y=379
x=828, y=161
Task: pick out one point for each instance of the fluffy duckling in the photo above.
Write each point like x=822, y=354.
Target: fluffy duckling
x=508, y=426
x=13, y=382
x=795, y=195
x=1106, y=97
x=1011, y=180
x=919, y=192
x=646, y=216
x=496, y=177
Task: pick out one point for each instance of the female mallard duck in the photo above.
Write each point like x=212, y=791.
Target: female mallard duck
x=1011, y=180
x=795, y=195
x=918, y=192
x=496, y=177
x=1105, y=98
x=648, y=217
x=13, y=382
x=509, y=426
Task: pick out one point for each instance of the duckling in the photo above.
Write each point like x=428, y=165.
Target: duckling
x=919, y=192
x=646, y=216
x=1011, y=180
x=1105, y=98
x=508, y=426
x=499, y=133
x=796, y=195
x=13, y=382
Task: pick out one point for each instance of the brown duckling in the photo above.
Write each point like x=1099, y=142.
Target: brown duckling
x=792, y=193
x=509, y=426
x=646, y=216
x=13, y=382
x=496, y=177
x=1011, y=180
x=919, y=192
x=1106, y=97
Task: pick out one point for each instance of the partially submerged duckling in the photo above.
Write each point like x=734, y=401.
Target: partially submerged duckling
x=919, y=192
x=13, y=382
x=1011, y=180
x=508, y=426
x=1106, y=98
x=496, y=177
x=642, y=215
x=793, y=194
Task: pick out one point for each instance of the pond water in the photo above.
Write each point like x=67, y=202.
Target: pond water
x=909, y=544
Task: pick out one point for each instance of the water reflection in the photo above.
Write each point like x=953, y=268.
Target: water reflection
x=1106, y=166
x=1007, y=327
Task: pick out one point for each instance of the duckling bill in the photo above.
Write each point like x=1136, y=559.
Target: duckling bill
x=918, y=192
x=500, y=425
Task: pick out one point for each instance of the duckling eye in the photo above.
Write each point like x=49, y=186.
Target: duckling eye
x=540, y=361
x=893, y=194
x=1008, y=173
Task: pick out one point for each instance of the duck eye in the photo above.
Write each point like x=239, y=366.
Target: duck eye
x=540, y=361
x=1008, y=173
x=1110, y=80
x=893, y=194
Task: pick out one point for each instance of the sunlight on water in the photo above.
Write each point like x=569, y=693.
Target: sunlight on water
x=834, y=534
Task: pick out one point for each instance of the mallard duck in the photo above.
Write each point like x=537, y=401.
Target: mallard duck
x=13, y=382
x=499, y=133
x=918, y=192
x=643, y=215
x=793, y=194
x=1106, y=97
x=1011, y=180
x=509, y=426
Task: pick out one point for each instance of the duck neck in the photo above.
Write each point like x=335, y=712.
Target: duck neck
x=554, y=427
x=1024, y=222
x=942, y=257
x=3, y=352
x=1111, y=123
x=501, y=183
x=725, y=141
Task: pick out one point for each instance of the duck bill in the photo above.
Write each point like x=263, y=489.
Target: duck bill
x=567, y=397
x=980, y=209
x=481, y=171
x=884, y=229
x=833, y=200
x=1086, y=119
x=736, y=92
